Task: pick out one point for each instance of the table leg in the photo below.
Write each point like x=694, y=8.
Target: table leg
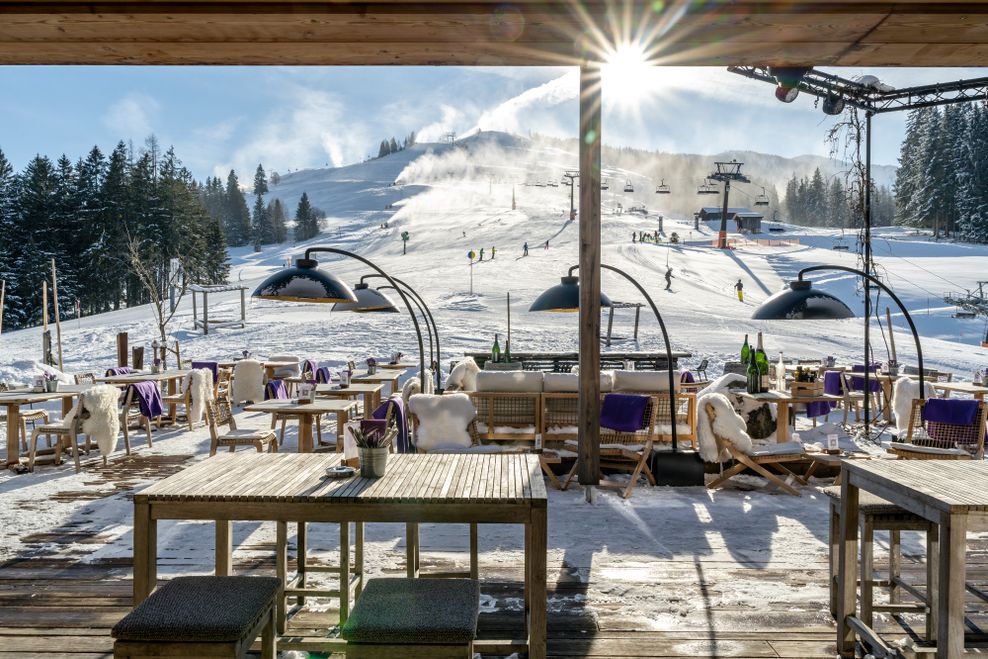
x=305, y=433
x=344, y=571
x=341, y=420
x=358, y=558
x=535, y=582
x=782, y=422
x=172, y=407
x=224, y=548
x=13, y=434
x=847, y=567
x=281, y=571
x=145, y=552
x=953, y=551
x=411, y=550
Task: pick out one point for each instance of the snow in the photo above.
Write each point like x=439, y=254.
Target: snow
x=441, y=194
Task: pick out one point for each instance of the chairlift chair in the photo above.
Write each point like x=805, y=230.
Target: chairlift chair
x=707, y=188
x=762, y=199
x=662, y=188
x=604, y=185
x=628, y=187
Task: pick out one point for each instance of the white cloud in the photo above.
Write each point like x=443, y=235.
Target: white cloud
x=132, y=116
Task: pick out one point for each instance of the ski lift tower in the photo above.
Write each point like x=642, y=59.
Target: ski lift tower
x=727, y=172
x=572, y=175
x=450, y=137
x=974, y=302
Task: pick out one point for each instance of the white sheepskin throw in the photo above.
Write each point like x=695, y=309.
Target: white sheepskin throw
x=414, y=386
x=248, y=381
x=100, y=416
x=727, y=424
x=200, y=381
x=721, y=384
x=463, y=377
x=905, y=391
x=443, y=421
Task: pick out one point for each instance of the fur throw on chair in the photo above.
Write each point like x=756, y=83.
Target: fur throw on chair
x=442, y=421
x=100, y=416
x=248, y=381
x=726, y=423
x=463, y=377
x=414, y=386
x=200, y=381
x=905, y=391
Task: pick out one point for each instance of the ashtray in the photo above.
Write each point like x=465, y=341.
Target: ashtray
x=340, y=471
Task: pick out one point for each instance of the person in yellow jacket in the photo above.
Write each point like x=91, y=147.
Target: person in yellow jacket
x=739, y=287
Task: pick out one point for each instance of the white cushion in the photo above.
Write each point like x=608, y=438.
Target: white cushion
x=510, y=381
x=443, y=421
x=931, y=450
x=785, y=448
x=570, y=382
x=682, y=429
x=643, y=380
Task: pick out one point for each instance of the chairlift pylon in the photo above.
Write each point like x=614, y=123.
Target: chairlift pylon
x=762, y=199
x=628, y=187
x=662, y=188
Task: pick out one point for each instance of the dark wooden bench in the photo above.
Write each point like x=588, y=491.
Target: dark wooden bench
x=201, y=617
x=398, y=618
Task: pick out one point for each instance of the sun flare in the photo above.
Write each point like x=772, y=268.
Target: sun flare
x=627, y=76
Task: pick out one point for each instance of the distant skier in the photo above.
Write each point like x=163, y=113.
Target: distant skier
x=493, y=252
x=739, y=287
x=464, y=234
x=668, y=278
x=525, y=250
x=481, y=253
x=633, y=236
x=546, y=244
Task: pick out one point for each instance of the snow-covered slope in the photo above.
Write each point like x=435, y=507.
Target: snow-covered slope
x=456, y=198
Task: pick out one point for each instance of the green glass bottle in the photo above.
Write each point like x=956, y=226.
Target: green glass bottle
x=496, y=350
x=507, y=350
x=761, y=360
x=751, y=384
x=745, y=351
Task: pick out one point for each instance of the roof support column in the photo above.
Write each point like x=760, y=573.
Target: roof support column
x=589, y=259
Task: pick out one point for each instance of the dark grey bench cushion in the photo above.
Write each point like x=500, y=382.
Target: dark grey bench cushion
x=415, y=611
x=199, y=609
x=867, y=502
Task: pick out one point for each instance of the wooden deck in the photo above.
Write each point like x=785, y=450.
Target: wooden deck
x=59, y=599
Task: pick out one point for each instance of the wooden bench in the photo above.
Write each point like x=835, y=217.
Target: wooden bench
x=201, y=617
x=400, y=618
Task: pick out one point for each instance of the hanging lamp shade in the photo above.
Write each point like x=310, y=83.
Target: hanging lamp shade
x=368, y=300
x=304, y=282
x=564, y=296
x=802, y=302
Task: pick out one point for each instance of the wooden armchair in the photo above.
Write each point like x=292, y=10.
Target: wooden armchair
x=184, y=398
x=219, y=413
x=130, y=414
x=31, y=416
x=936, y=440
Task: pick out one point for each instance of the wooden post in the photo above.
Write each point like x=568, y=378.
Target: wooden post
x=243, y=307
x=638, y=311
x=122, y=349
x=588, y=406
x=45, y=335
x=58, y=314
x=195, y=316
x=610, y=324
x=205, y=312
x=888, y=322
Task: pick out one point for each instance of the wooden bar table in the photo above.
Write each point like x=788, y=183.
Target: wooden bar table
x=400, y=365
x=949, y=493
x=169, y=378
x=306, y=413
x=784, y=401
x=13, y=400
x=975, y=390
x=390, y=376
x=289, y=487
x=369, y=391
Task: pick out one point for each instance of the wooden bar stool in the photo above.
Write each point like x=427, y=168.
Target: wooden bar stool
x=877, y=514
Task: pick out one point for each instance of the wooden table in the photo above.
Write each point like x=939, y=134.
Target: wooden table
x=13, y=400
x=949, y=493
x=169, y=377
x=401, y=365
x=288, y=487
x=390, y=377
x=976, y=390
x=370, y=391
x=306, y=412
x=783, y=401
x=269, y=366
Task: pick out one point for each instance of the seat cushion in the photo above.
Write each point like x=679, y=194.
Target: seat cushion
x=216, y=609
x=247, y=435
x=415, y=611
x=928, y=450
x=785, y=448
x=867, y=502
x=510, y=381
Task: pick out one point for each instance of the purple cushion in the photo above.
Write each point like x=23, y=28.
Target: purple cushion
x=623, y=412
x=275, y=389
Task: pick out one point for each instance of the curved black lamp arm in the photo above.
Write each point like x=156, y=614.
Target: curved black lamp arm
x=432, y=354
x=430, y=322
x=902, y=308
x=404, y=298
x=665, y=337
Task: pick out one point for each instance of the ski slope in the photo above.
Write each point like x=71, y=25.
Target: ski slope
x=457, y=198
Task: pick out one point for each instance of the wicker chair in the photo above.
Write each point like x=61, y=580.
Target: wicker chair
x=933, y=440
x=85, y=378
x=507, y=415
x=219, y=413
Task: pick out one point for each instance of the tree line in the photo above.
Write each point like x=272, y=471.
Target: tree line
x=392, y=146
x=820, y=201
x=942, y=180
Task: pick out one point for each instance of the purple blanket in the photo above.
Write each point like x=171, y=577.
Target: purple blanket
x=398, y=414
x=623, y=412
x=832, y=383
x=212, y=367
x=309, y=368
x=118, y=370
x=148, y=398
x=686, y=376
x=322, y=375
x=858, y=383
x=818, y=408
x=955, y=411
x=275, y=389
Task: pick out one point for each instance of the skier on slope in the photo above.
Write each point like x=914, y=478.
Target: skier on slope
x=633, y=236
x=525, y=249
x=493, y=252
x=739, y=287
x=546, y=244
x=668, y=278
x=481, y=253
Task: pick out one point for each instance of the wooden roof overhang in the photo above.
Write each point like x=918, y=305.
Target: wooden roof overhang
x=479, y=32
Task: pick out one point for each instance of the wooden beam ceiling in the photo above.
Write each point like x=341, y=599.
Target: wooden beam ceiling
x=478, y=32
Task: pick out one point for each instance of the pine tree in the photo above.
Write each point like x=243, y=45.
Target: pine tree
x=261, y=225
x=306, y=221
x=236, y=219
x=393, y=146
x=8, y=197
x=384, y=150
x=278, y=221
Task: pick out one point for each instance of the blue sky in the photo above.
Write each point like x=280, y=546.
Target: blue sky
x=289, y=118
